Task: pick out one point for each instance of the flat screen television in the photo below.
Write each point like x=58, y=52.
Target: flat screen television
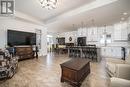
x=15, y=38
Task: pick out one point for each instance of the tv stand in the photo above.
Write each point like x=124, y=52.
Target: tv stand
x=24, y=52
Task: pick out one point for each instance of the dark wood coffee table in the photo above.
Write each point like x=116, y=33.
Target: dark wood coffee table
x=75, y=71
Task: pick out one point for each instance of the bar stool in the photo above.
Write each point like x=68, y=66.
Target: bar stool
x=57, y=49
x=73, y=52
x=70, y=52
x=90, y=52
x=95, y=53
x=76, y=52
x=85, y=52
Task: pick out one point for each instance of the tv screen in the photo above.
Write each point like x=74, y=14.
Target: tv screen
x=20, y=38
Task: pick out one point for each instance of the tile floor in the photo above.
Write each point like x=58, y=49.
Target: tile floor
x=46, y=72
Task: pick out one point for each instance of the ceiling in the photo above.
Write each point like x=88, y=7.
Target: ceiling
x=59, y=19
x=33, y=8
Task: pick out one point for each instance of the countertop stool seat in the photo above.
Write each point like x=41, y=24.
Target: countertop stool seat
x=71, y=52
x=95, y=53
x=85, y=52
x=77, y=52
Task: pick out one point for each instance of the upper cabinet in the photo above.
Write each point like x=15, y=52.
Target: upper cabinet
x=124, y=33
x=89, y=34
x=120, y=31
x=79, y=32
x=82, y=32
x=92, y=34
x=117, y=32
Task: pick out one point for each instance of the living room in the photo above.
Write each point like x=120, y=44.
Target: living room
x=44, y=43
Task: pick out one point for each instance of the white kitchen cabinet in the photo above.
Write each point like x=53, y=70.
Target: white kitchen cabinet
x=120, y=31
x=106, y=52
x=111, y=52
x=117, y=34
x=92, y=34
x=103, y=52
x=124, y=32
x=110, y=31
x=89, y=34
x=117, y=52
x=100, y=31
x=79, y=32
x=82, y=32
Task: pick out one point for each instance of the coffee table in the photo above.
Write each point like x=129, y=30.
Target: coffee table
x=75, y=71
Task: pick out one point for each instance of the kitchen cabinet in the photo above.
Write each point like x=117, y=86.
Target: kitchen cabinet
x=100, y=31
x=89, y=35
x=79, y=32
x=121, y=31
x=82, y=32
x=106, y=52
x=111, y=52
x=124, y=32
x=95, y=37
x=92, y=34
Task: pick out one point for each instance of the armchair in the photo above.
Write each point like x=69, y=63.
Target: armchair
x=117, y=82
x=123, y=71
x=119, y=68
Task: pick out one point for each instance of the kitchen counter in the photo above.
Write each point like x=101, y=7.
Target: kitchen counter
x=99, y=58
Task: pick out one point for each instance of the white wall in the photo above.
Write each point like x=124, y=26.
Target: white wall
x=16, y=24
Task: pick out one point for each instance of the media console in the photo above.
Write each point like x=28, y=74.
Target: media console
x=24, y=52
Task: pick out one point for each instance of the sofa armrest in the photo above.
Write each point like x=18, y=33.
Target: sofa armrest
x=114, y=60
x=117, y=82
x=123, y=71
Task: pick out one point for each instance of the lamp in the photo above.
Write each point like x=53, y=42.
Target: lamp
x=49, y=4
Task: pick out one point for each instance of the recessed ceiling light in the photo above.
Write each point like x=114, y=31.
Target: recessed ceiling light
x=122, y=19
x=125, y=13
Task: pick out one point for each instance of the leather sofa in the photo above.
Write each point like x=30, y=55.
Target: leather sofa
x=118, y=68
x=118, y=82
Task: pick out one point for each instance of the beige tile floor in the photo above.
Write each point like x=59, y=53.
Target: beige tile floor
x=46, y=72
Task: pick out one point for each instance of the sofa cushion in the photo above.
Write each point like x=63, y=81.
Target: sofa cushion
x=117, y=82
x=111, y=68
x=128, y=59
x=115, y=60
